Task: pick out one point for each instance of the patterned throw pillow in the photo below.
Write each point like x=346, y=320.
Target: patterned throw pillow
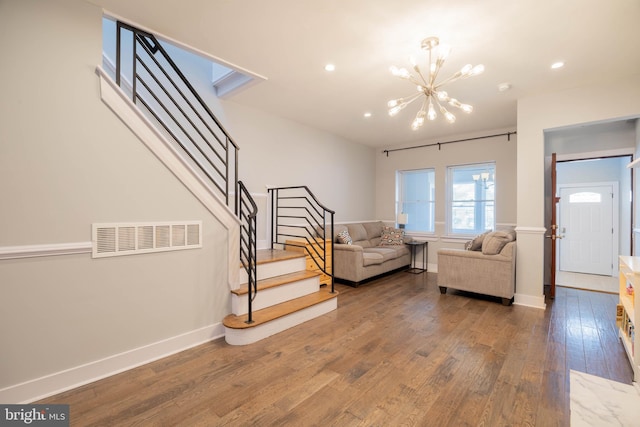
x=391, y=237
x=343, y=237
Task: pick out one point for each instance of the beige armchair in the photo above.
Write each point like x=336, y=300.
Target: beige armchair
x=491, y=271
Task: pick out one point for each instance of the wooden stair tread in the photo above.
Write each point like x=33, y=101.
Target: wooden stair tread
x=274, y=312
x=273, y=282
x=265, y=256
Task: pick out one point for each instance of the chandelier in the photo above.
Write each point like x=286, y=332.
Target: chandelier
x=427, y=89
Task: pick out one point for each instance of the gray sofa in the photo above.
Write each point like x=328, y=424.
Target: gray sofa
x=367, y=255
x=487, y=266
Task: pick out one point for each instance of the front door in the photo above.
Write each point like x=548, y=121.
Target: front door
x=587, y=226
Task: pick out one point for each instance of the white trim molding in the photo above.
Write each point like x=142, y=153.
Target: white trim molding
x=52, y=249
x=529, y=301
x=58, y=382
x=531, y=230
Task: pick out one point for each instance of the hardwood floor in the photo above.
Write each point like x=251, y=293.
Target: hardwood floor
x=395, y=352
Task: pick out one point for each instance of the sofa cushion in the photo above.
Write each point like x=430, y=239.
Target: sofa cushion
x=344, y=237
x=370, y=258
x=374, y=229
x=476, y=243
x=392, y=236
x=387, y=253
x=495, y=241
x=359, y=235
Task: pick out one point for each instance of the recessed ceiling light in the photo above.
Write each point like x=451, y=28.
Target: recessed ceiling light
x=330, y=67
x=503, y=87
x=367, y=114
x=557, y=65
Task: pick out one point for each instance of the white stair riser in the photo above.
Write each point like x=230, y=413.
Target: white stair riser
x=276, y=295
x=251, y=335
x=273, y=269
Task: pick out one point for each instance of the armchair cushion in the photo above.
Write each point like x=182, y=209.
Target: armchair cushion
x=495, y=241
x=476, y=243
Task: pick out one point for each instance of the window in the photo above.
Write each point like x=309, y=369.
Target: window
x=415, y=196
x=585, y=197
x=471, y=199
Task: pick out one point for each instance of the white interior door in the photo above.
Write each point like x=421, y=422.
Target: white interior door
x=587, y=226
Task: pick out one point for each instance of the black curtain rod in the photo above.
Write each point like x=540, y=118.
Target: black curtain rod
x=440, y=144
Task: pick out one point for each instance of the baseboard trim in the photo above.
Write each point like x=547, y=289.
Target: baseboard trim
x=49, y=385
x=530, y=301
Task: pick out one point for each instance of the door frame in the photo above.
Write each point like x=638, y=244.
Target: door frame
x=615, y=220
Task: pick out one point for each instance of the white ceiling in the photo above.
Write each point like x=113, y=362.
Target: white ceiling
x=290, y=41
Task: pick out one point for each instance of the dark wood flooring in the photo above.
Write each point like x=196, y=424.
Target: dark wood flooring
x=395, y=352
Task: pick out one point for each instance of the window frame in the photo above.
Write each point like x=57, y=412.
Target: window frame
x=479, y=203
x=401, y=200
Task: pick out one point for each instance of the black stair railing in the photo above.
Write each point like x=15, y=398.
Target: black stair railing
x=298, y=216
x=158, y=87
x=248, y=212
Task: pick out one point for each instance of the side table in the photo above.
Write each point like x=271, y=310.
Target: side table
x=425, y=252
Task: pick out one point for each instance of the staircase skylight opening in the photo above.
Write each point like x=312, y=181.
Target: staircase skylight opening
x=227, y=79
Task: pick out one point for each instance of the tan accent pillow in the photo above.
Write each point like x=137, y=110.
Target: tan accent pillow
x=476, y=243
x=495, y=241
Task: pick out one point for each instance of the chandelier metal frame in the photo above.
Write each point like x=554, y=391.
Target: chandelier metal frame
x=427, y=88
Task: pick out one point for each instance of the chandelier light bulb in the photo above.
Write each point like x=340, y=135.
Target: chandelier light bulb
x=466, y=69
x=395, y=110
x=400, y=72
x=450, y=117
x=466, y=108
x=447, y=115
x=478, y=69
x=442, y=95
x=419, y=120
x=431, y=115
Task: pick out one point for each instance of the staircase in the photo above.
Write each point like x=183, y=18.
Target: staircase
x=287, y=295
x=286, y=289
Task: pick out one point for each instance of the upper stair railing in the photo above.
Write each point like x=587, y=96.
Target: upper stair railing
x=156, y=85
x=146, y=72
x=297, y=218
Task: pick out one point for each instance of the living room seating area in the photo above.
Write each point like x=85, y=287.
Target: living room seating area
x=368, y=249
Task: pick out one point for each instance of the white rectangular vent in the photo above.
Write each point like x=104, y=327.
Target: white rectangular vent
x=139, y=238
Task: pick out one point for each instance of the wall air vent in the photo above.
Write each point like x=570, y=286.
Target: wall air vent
x=139, y=238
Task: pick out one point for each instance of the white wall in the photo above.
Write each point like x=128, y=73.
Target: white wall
x=498, y=149
x=66, y=162
x=619, y=99
x=278, y=152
